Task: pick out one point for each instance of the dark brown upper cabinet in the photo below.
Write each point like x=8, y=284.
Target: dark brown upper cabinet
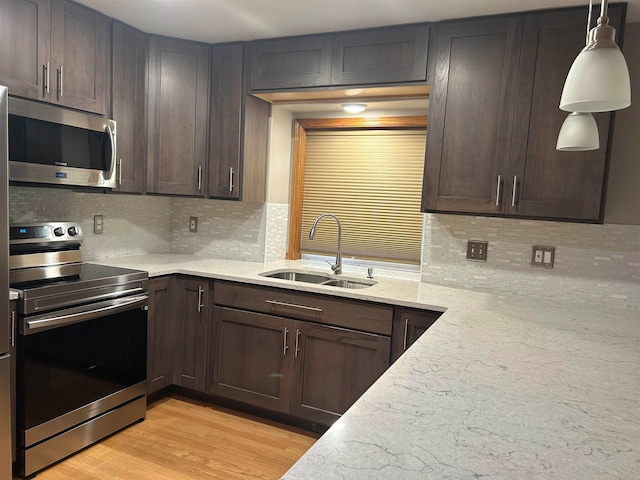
x=494, y=120
x=129, y=82
x=376, y=56
x=178, y=109
x=55, y=51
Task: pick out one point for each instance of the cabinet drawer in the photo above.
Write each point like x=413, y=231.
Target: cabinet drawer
x=306, y=306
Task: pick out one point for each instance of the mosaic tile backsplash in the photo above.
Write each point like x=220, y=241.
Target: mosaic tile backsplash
x=595, y=264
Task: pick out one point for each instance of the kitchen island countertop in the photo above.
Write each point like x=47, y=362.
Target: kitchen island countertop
x=499, y=387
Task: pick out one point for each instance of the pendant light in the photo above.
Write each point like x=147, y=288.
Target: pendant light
x=579, y=132
x=598, y=80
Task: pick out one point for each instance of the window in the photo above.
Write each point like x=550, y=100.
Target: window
x=370, y=177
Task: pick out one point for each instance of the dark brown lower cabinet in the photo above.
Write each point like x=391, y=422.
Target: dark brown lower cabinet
x=332, y=368
x=408, y=326
x=191, y=335
x=315, y=372
x=160, y=333
x=253, y=360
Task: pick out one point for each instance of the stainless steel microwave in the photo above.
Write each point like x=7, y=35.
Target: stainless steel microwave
x=52, y=145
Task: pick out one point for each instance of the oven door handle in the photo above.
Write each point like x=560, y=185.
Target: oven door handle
x=85, y=313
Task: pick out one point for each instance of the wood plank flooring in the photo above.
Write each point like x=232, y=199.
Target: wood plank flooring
x=182, y=439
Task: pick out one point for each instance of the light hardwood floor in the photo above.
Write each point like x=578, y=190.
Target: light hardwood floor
x=182, y=439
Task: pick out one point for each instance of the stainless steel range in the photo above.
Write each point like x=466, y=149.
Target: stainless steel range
x=81, y=348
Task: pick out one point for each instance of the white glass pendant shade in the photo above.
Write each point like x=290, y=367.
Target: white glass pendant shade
x=598, y=80
x=579, y=132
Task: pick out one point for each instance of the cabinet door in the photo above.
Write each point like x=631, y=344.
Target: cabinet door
x=549, y=183
x=13, y=316
x=192, y=331
x=386, y=55
x=474, y=90
x=291, y=63
x=25, y=39
x=128, y=105
x=80, y=41
x=332, y=368
x=408, y=326
x=160, y=333
x=177, y=117
x=253, y=360
x=225, y=121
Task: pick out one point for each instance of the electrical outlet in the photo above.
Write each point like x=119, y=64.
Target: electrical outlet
x=98, y=224
x=193, y=224
x=477, y=250
x=542, y=256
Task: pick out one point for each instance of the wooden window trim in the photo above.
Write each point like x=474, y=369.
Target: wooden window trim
x=300, y=128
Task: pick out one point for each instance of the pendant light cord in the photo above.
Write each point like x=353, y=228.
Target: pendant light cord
x=589, y=21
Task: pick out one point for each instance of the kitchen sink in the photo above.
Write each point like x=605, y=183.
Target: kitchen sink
x=318, y=278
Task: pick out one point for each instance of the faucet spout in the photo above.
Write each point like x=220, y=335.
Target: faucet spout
x=337, y=267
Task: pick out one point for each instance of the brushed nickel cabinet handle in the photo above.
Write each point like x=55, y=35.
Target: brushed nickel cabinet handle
x=293, y=305
x=200, y=305
x=13, y=328
x=119, y=171
x=406, y=334
x=285, y=345
x=200, y=178
x=297, y=342
x=60, y=81
x=45, y=75
x=498, y=190
x=231, y=179
x=513, y=193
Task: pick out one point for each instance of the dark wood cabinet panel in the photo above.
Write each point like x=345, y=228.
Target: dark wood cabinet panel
x=549, y=183
x=333, y=367
x=291, y=62
x=25, y=43
x=192, y=343
x=253, y=358
x=408, y=325
x=471, y=113
x=225, y=121
x=253, y=172
x=306, y=306
x=13, y=315
x=160, y=333
x=177, y=117
x=385, y=55
x=55, y=51
x=129, y=84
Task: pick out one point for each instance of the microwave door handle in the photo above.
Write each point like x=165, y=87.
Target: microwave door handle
x=112, y=139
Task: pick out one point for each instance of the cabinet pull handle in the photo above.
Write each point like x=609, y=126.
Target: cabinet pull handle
x=297, y=341
x=406, y=334
x=231, y=179
x=498, y=190
x=45, y=75
x=293, y=305
x=285, y=347
x=200, y=305
x=119, y=171
x=200, y=178
x=513, y=193
x=13, y=328
x=60, y=80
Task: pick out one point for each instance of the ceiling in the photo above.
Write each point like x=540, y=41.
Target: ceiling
x=216, y=21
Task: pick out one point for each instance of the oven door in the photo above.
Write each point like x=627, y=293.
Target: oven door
x=78, y=363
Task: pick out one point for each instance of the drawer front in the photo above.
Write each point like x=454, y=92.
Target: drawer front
x=352, y=314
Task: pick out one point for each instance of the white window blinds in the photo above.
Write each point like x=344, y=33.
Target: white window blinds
x=372, y=181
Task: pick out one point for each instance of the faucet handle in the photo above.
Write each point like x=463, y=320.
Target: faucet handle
x=370, y=272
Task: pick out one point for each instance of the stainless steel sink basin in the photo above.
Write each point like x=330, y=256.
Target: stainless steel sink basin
x=318, y=278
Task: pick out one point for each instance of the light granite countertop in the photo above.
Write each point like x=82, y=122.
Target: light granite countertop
x=499, y=387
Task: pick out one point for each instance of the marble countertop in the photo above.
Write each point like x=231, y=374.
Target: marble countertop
x=499, y=387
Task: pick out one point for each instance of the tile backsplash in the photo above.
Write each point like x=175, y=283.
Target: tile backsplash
x=594, y=264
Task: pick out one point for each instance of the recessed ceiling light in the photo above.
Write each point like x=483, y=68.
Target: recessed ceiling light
x=353, y=91
x=354, y=107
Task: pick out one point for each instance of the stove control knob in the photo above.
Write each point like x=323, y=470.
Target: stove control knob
x=58, y=231
x=73, y=231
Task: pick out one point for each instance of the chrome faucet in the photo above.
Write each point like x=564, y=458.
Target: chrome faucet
x=337, y=267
